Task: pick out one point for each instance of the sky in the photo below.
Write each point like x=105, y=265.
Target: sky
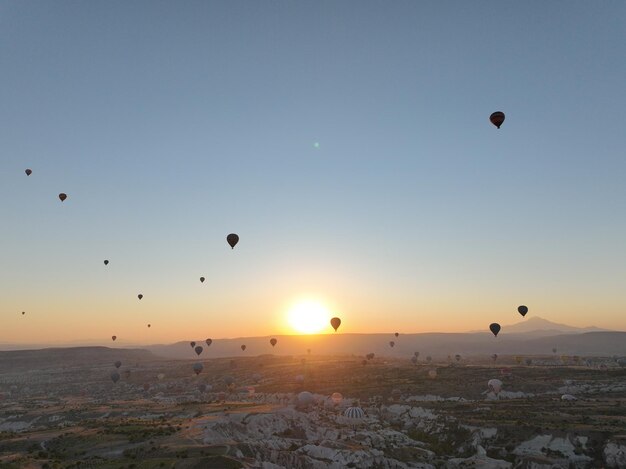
x=347, y=143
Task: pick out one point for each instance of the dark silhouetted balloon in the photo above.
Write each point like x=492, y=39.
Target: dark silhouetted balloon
x=23, y=313
x=397, y=334
x=243, y=348
x=457, y=357
x=106, y=262
x=115, y=376
x=113, y=337
x=370, y=356
x=149, y=325
x=198, y=349
x=232, y=239
x=522, y=310
x=192, y=344
x=118, y=364
x=197, y=368
x=28, y=172
x=201, y=279
x=392, y=344
x=208, y=342
x=273, y=342
x=335, y=322
x=62, y=196
x=497, y=118
x=494, y=328
x=140, y=296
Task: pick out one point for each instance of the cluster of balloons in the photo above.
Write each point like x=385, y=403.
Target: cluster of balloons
x=495, y=327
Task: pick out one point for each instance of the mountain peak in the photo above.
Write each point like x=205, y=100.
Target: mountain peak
x=537, y=323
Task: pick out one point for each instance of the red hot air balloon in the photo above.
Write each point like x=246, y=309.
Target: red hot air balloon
x=62, y=196
x=232, y=240
x=28, y=172
x=335, y=322
x=243, y=348
x=522, y=310
x=273, y=342
x=113, y=337
x=494, y=328
x=497, y=118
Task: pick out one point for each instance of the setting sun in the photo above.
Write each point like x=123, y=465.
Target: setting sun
x=308, y=317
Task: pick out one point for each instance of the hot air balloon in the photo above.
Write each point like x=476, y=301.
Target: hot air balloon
x=273, y=342
x=416, y=354
x=106, y=262
x=414, y=360
x=201, y=279
x=457, y=357
x=429, y=359
x=228, y=380
x=529, y=361
x=335, y=322
x=370, y=356
x=554, y=350
x=193, y=344
x=497, y=118
x=495, y=386
x=232, y=239
x=208, y=342
x=397, y=334
x=257, y=377
x=392, y=344
x=149, y=325
x=336, y=397
x=23, y=313
x=118, y=364
x=140, y=296
x=198, y=349
x=113, y=337
x=243, y=348
x=522, y=310
x=202, y=387
x=494, y=328
x=62, y=196
x=115, y=376
x=28, y=172
x=197, y=368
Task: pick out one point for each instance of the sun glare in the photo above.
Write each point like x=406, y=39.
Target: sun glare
x=308, y=317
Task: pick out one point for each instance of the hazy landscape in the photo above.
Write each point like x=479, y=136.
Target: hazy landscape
x=60, y=408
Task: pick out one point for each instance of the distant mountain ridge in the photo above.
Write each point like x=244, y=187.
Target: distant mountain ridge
x=537, y=324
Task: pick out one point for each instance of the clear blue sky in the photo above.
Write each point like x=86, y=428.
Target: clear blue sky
x=171, y=124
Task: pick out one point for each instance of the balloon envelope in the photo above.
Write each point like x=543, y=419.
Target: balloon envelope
x=495, y=386
x=28, y=172
x=62, y=196
x=243, y=348
x=392, y=344
x=397, y=334
x=335, y=322
x=232, y=240
x=208, y=342
x=201, y=279
x=494, y=328
x=115, y=376
x=497, y=118
x=113, y=337
x=118, y=364
x=336, y=397
x=140, y=296
x=522, y=310
x=273, y=342
x=193, y=344
x=197, y=368
x=106, y=262
x=198, y=350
